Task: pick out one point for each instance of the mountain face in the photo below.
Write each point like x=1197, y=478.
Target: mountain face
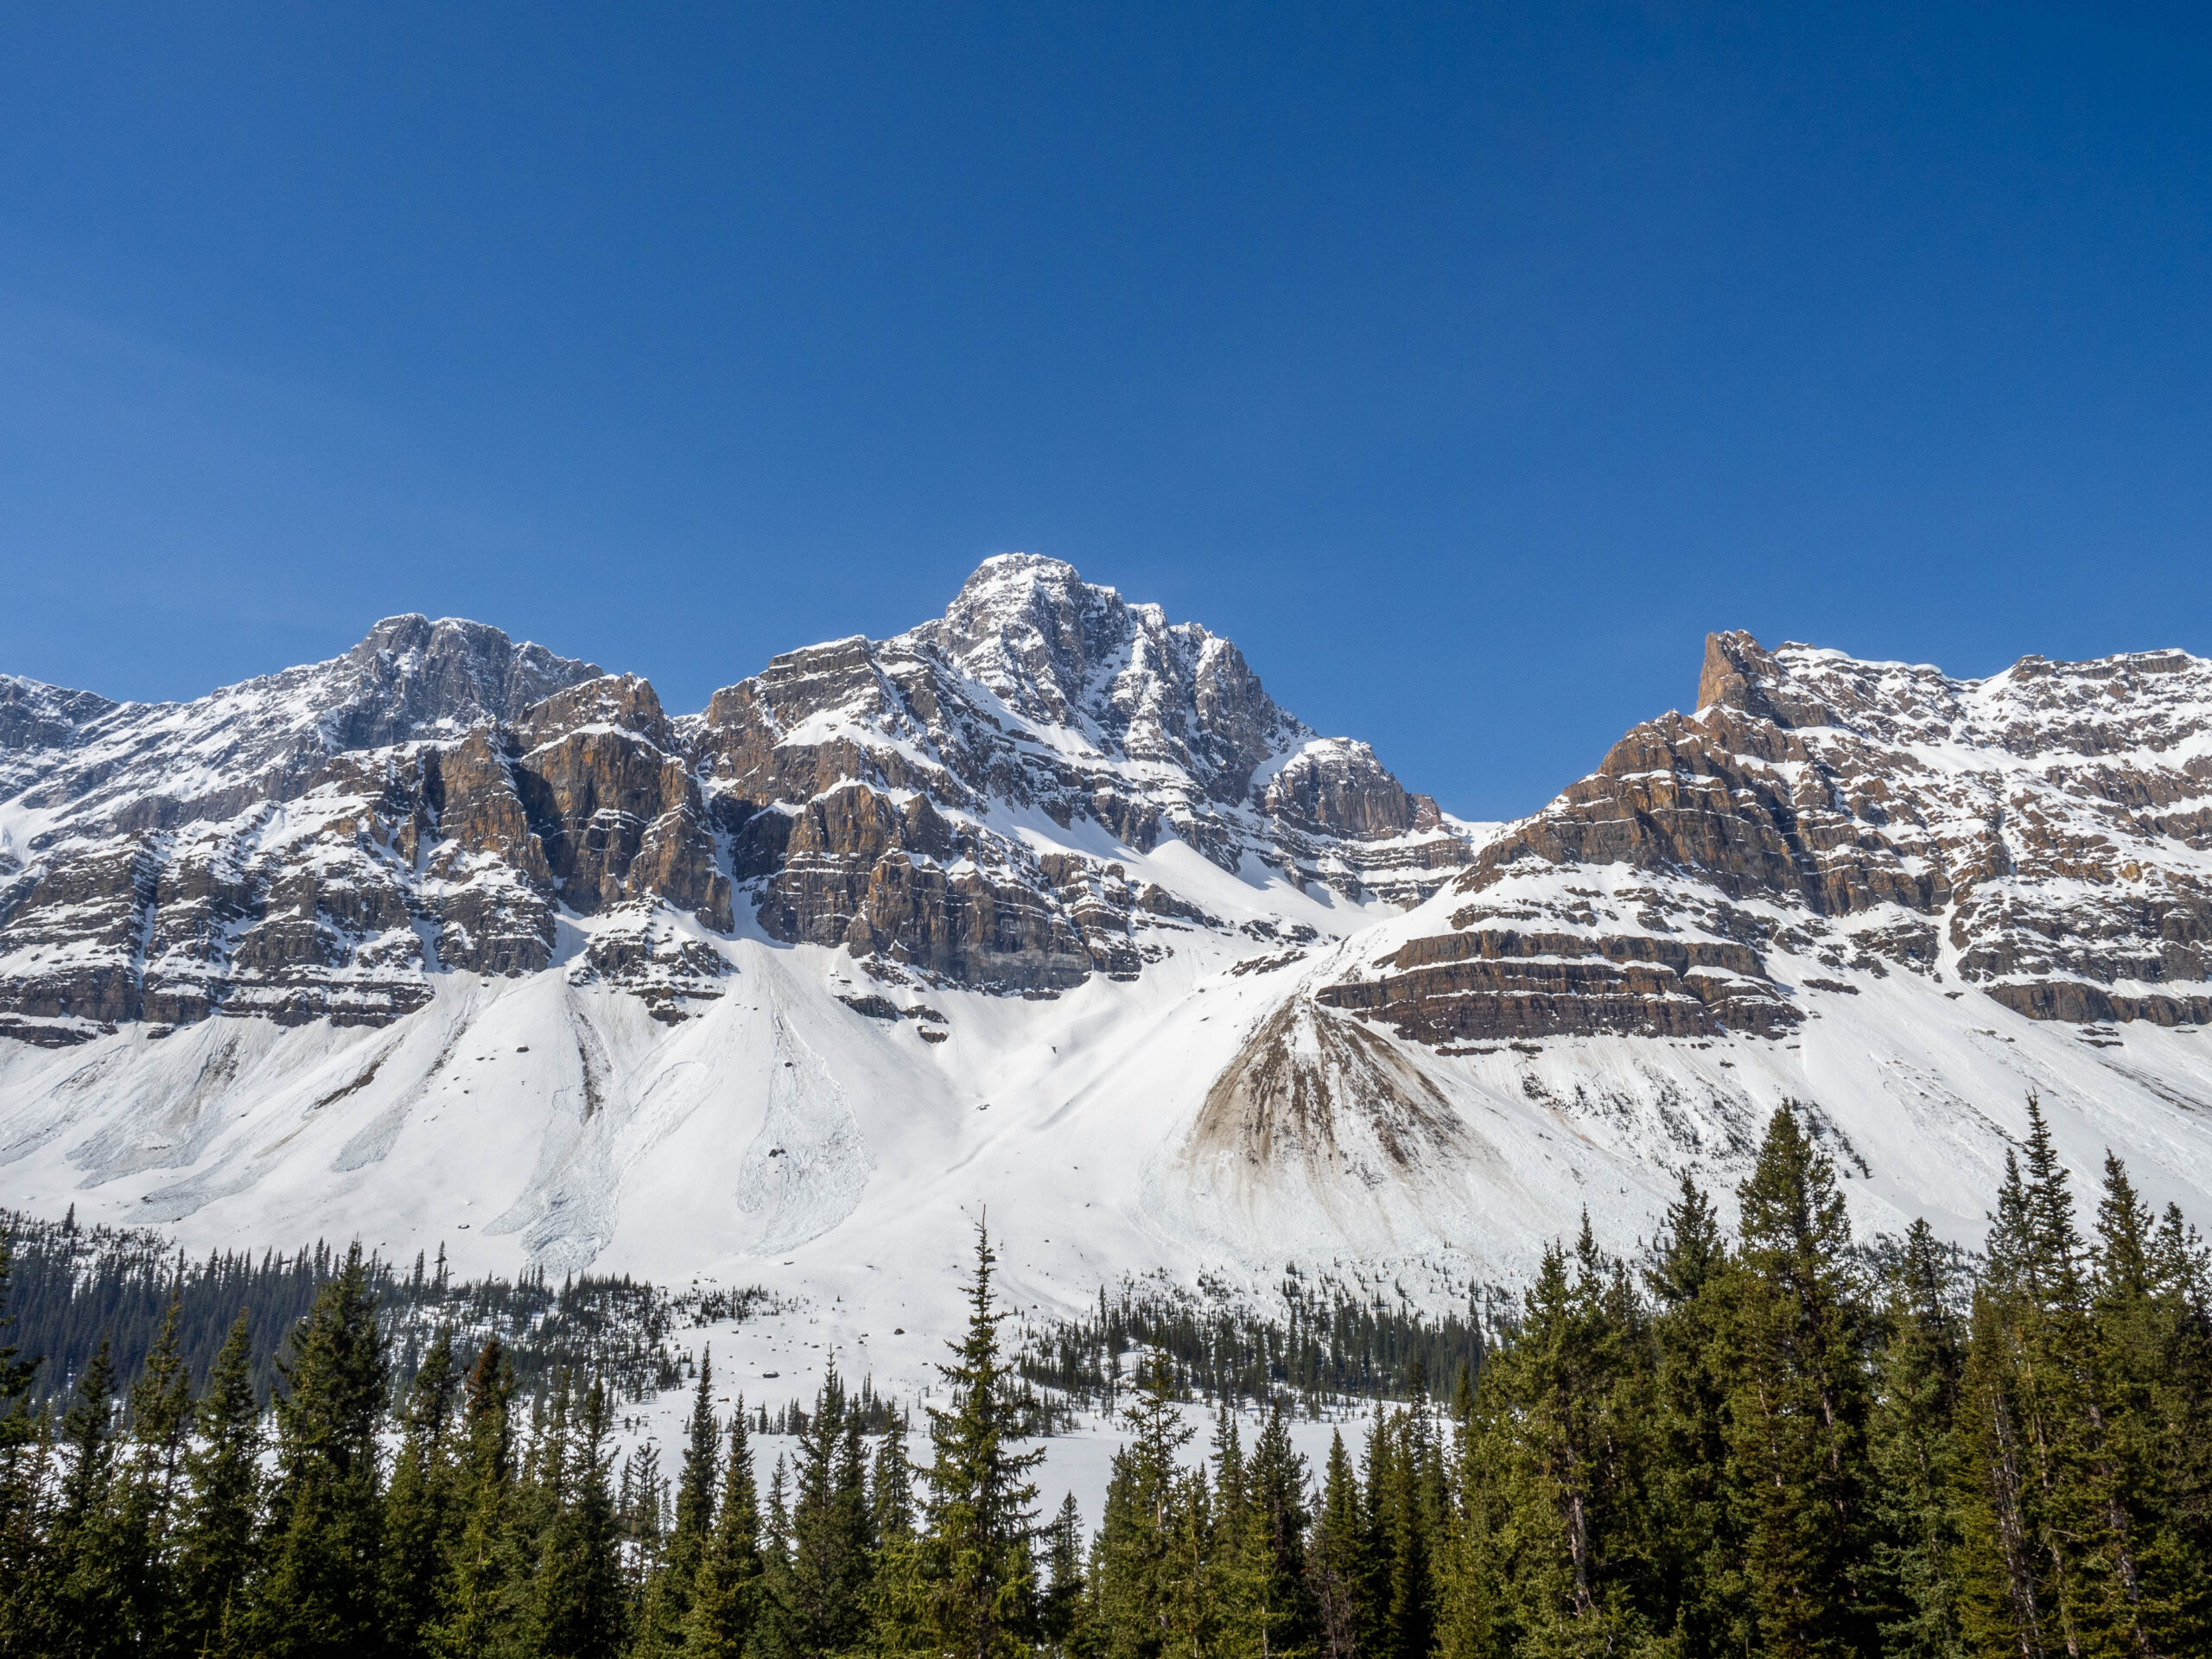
x=1046, y=904
x=2042, y=838
x=324, y=843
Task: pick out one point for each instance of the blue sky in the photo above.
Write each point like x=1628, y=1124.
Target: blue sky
x=1464, y=364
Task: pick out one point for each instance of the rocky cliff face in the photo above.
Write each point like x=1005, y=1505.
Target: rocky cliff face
x=1046, y=904
x=881, y=786
x=943, y=806
x=322, y=843
x=2040, y=837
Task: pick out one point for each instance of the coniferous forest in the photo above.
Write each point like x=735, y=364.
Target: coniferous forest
x=1768, y=1442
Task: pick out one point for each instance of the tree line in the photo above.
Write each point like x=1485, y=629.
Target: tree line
x=74, y=1287
x=1767, y=1443
x=1326, y=1346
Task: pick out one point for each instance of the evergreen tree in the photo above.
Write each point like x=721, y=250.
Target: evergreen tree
x=772, y=1635
x=22, y=1474
x=478, y=1605
x=891, y=1488
x=2136, y=1466
x=1919, y=1550
x=88, y=1605
x=1272, y=1612
x=222, y=1505
x=970, y=1586
x=667, y=1601
x=320, y=1593
x=819, y=1583
x=422, y=1506
x=1132, y=1612
x=149, y=1487
x=1797, y=1337
x=1059, y=1612
x=1338, y=1569
x=1193, y=1597
x=725, y=1595
x=2063, y=1531
x=577, y=1609
x=1697, y=1543
x=1556, y=1514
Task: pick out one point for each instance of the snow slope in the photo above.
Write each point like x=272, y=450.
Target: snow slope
x=1093, y=938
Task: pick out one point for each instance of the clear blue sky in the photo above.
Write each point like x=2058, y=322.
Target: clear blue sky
x=1464, y=364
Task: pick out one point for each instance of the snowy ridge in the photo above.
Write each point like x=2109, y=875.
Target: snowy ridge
x=1045, y=906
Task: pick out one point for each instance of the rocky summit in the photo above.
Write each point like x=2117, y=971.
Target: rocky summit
x=1045, y=904
x=324, y=843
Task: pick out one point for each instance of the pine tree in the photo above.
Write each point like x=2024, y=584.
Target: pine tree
x=1798, y=1337
x=576, y=1604
x=480, y=1593
x=320, y=1595
x=1919, y=1552
x=667, y=1601
x=1131, y=1611
x=150, y=1485
x=1272, y=1612
x=422, y=1506
x=970, y=1586
x=1697, y=1542
x=1338, y=1569
x=88, y=1605
x=222, y=1506
x=726, y=1592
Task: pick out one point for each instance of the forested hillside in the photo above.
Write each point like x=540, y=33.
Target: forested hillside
x=1771, y=1443
x=72, y=1288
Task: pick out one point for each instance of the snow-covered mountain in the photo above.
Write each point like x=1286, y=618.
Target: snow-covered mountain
x=1046, y=904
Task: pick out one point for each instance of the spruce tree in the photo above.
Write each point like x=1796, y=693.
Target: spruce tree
x=1060, y=1611
x=1918, y=1553
x=22, y=1477
x=1338, y=1567
x=891, y=1488
x=2005, y=1581
x=1558, y=1511
x=1193, y=1600
x=319, y=1596
x=421, y=1509
x=2062, y=1539
x=2138, y=1467
x=726, y=1592
x=150, y=1485
x=88, y=1604
x=1798, y=1338
x=1697, y=1543
x=970, y=1589
x=772, y=1634
x=1272, y=1612
x=480, y=1594
x=667, y=1600
x=223, y=1484
x=819, y=1582
x=576, y=1600
x=1132, y=1612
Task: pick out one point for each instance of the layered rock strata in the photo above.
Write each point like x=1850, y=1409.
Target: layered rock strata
x=319, y=844
x=2041, y=836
